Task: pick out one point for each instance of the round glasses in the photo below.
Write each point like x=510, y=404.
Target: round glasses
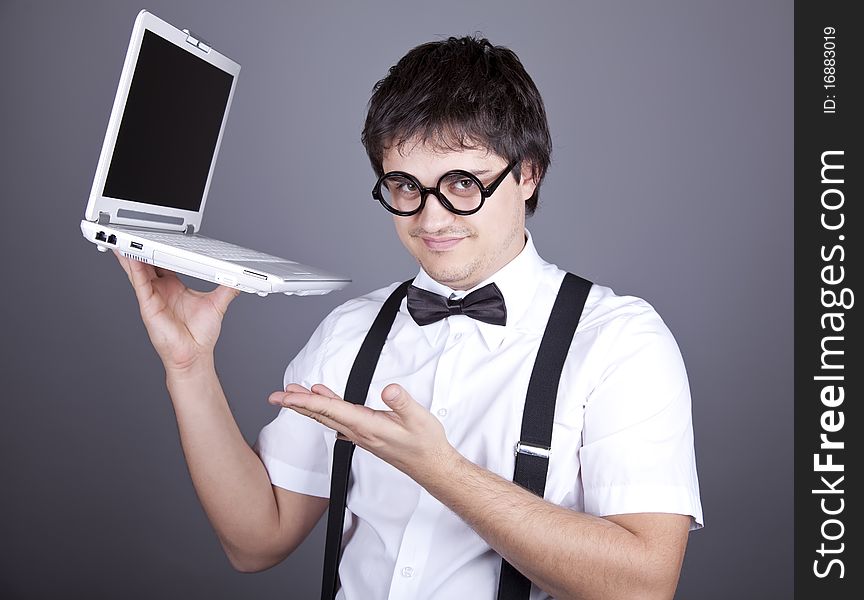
x=458, y=191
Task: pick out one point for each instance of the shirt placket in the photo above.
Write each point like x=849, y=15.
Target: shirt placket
x=412, y=559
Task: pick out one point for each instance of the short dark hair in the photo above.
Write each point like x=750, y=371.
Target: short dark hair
x=461, y=93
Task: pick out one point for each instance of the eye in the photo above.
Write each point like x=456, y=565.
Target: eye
x=400, y=185
x=457, y=184
x=464, y=184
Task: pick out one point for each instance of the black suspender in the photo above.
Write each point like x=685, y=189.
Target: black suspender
x=356, y=390
x=535, y=441
x=532, y=450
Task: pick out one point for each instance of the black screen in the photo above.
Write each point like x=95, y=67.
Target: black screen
x=169, y=129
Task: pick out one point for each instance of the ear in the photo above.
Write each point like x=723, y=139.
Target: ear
x=528, y=177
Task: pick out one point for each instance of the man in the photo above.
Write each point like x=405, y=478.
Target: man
x=457, y=136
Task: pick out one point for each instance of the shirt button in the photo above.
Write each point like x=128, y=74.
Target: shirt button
x=457, y=336
x=442, y=412
x=407, y=572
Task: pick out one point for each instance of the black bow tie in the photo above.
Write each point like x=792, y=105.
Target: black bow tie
x=485, y=304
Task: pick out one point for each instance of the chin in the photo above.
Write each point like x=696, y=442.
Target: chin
x=454, y=274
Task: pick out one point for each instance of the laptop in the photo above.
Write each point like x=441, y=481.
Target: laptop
x=157, y=161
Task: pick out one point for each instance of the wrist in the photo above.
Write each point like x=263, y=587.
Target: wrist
x=203, y=367
x=445, y=466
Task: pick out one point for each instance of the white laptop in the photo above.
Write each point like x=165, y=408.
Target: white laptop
x=157, y=161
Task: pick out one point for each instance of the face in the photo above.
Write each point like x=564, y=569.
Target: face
x=461, y=251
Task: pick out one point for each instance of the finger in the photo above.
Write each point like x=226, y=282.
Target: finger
x=277, y=398
x=400, y=401
x=140, y=273
x=320, y=388
x=339, y=428
x=222, y=297
x=332, y=409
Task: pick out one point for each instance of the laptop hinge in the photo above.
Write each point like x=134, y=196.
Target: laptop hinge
x=190, y=229
x=104, y=218
x=197, y=41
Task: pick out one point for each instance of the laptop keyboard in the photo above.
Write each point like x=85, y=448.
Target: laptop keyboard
x=207, y=246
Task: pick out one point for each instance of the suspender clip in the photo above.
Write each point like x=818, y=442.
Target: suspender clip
x=542, y=451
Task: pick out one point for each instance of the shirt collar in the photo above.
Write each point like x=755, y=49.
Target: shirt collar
x=516, y=280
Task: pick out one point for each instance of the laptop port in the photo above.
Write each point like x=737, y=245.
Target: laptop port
x=101, y=236
x=112, y=239
x=136, y=245
x=254, y=274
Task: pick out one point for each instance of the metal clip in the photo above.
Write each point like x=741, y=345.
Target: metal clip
x=541, y=451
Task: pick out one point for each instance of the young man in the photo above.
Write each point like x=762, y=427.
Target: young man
x=457, y=136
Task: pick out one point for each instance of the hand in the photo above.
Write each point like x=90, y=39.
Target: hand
x=408, y=436
x=183, y=324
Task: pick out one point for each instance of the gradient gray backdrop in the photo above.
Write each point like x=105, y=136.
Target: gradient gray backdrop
x=671, y=180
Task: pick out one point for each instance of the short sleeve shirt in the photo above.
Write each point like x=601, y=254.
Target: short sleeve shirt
x=622, y=438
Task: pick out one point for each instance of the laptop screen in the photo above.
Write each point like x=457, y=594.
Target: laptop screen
x=170, y=126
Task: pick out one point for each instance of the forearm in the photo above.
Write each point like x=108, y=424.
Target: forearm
x=228, y=476
x=566, y=553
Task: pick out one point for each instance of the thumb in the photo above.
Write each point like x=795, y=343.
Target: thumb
x=397, y=398
x=222, y=297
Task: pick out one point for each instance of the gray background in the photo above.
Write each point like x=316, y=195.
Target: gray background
x=671, y=180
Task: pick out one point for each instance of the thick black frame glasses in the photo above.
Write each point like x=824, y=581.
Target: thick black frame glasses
x=485, y=192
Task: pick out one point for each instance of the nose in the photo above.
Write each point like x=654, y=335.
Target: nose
x=434, y=215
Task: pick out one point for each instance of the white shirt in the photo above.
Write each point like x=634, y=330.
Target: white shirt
x=622, y=439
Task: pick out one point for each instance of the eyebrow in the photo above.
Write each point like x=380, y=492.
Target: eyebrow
x=477, y=173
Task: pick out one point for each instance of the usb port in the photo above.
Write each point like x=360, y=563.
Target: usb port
x=136, y=245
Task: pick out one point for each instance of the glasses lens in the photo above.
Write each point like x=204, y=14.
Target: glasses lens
x=462, y=190
x=400, y=193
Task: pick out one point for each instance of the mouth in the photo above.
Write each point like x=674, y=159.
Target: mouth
x=441, y=244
